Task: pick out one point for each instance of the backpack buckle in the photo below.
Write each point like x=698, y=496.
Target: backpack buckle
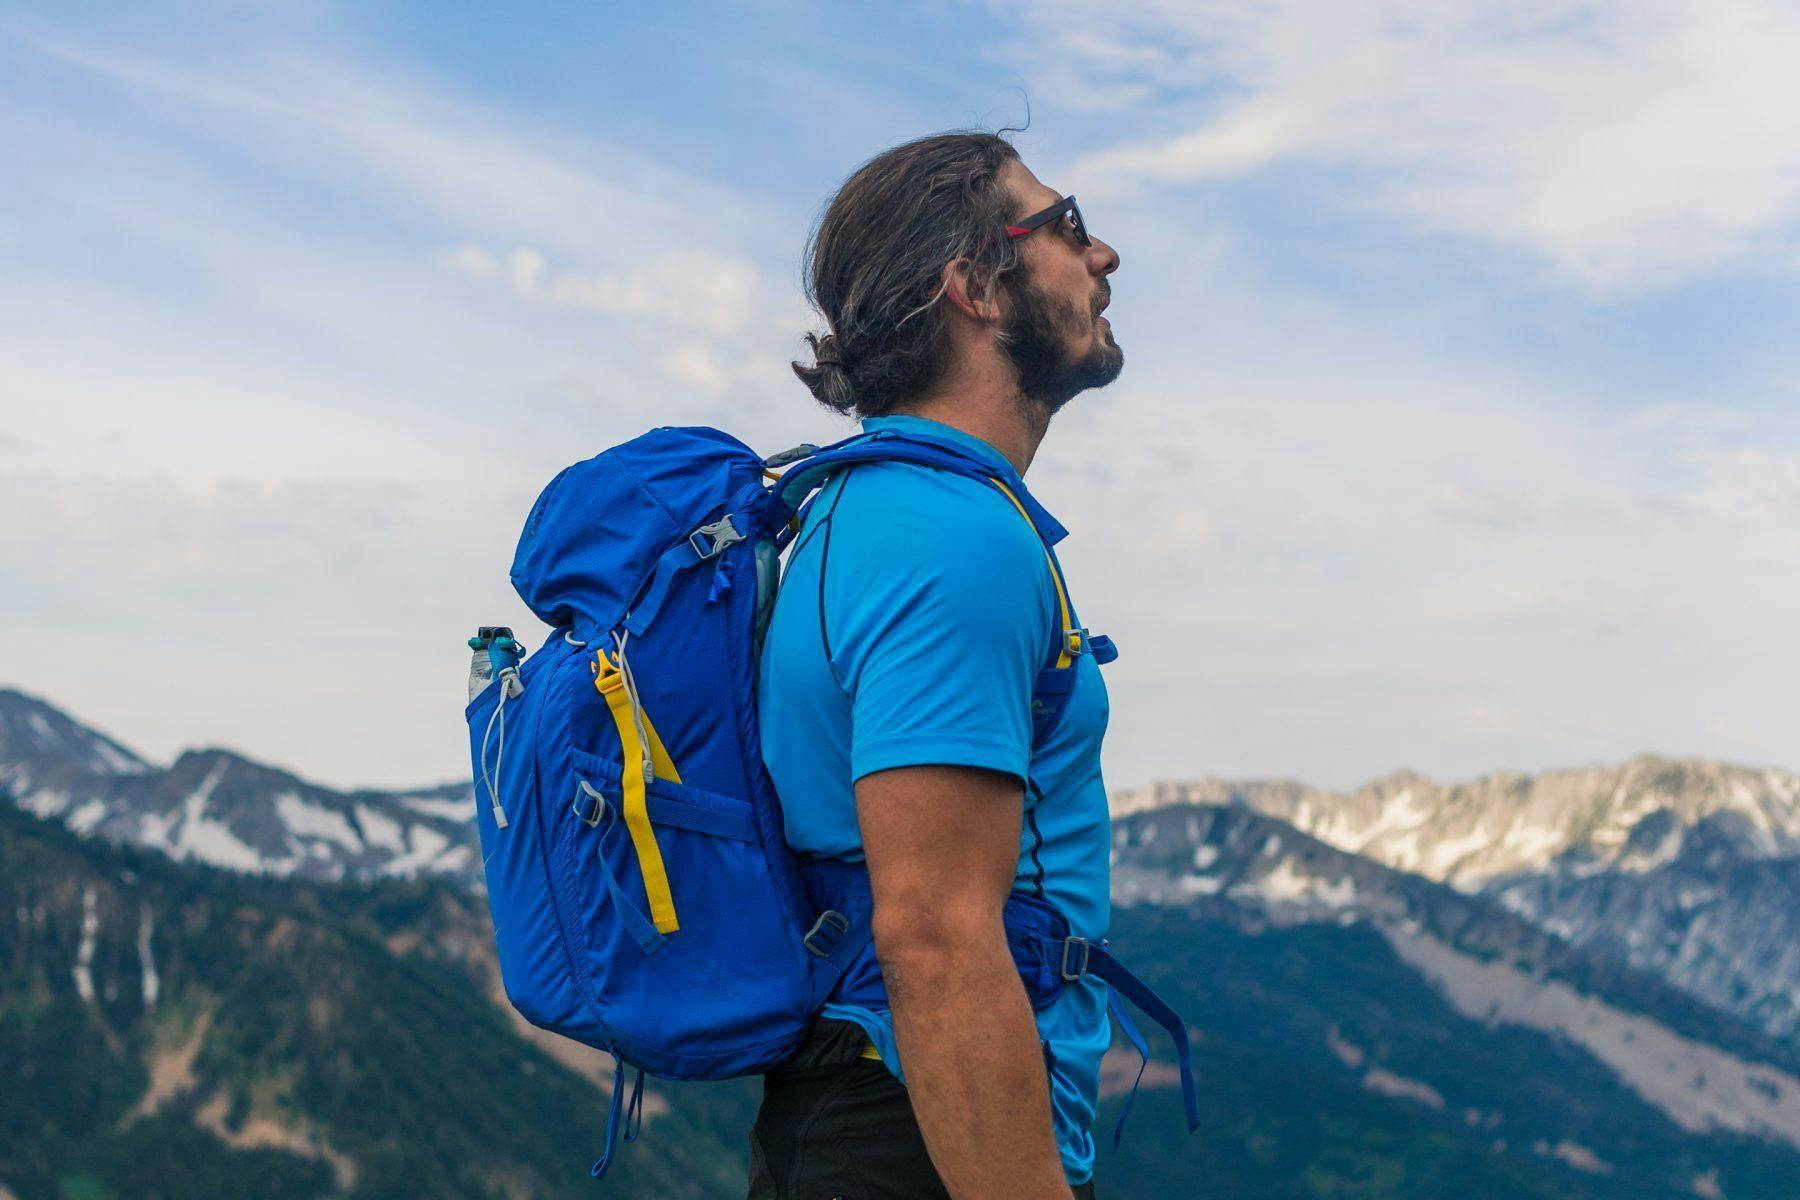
x=720, y=534
x=1070, y=945
x=585, y=796
x=828, y=930
x=791, y=455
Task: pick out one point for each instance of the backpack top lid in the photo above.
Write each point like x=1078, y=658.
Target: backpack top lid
x=594, y=536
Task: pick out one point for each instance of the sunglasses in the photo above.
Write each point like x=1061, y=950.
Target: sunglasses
x=1065, y=207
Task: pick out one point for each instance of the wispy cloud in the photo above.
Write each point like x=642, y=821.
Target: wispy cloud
x=290, y=335
x=251, y=396
x=693, y=289
x=1626, y=142
x=1390, y=549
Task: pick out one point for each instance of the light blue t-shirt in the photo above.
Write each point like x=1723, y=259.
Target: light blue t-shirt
x=914, y=616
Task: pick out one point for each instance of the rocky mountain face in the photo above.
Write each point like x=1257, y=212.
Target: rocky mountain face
x=219, y=808
x=1686, y=868
x=177, y=1032
x=1632, y=818
x=1452, y=1004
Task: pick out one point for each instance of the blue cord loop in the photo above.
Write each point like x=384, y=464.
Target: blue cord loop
x=610, y=1139
x=634, y=1110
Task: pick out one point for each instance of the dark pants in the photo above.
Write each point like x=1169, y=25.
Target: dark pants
x=837, y=1126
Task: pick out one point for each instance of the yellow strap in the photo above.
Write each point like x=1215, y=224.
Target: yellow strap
x=869, y=1051
x=1071, y=637
x=610, y=682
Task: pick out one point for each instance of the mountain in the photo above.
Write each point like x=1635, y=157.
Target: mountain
x=1351, y=975
x=1686, y=868
x=220, y=808
x=1631, y=818
x=173, y=1031
x=324, y=1018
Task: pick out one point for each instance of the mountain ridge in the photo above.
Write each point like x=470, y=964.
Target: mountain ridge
x=224, y=808
x=1638, y=1088
x=1686, y=867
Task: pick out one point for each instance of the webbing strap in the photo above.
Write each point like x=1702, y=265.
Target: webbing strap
x=634, y=1110
x=639, y=759
x=673, y=562
x=610, y=1139
x=635, y=922
x=1113, y=973
x=1135, y=1036
x=1071, y=636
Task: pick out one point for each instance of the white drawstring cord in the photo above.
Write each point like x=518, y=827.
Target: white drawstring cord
x=637, y=707
x=510, y=686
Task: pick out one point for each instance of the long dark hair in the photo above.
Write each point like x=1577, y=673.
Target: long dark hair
x=875, y=259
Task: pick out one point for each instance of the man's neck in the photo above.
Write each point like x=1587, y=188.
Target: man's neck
x=1011, y=424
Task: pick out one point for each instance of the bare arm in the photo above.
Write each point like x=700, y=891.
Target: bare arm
x=942, y=844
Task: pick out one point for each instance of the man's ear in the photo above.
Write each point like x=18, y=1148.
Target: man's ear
x=972, y=293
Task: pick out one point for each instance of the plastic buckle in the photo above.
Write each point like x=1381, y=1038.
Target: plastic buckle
x=831, y=922
x=1069, y=944
x=607, y=676
x=1079, y=641
x=794, y=454
x=600, y=810
x=722, y=532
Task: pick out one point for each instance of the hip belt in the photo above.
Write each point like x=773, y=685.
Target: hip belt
x=1044, y=950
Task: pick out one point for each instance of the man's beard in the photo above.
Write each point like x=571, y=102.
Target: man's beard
x=1035, y=341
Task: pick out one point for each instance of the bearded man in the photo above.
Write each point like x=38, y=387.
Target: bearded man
x=964, y=300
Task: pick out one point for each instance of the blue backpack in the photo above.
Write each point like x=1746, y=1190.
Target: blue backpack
x=644, y=897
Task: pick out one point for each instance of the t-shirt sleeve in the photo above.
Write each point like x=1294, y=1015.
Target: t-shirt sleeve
x=938, y=631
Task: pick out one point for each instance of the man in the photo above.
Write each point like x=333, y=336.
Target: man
x=964, y=299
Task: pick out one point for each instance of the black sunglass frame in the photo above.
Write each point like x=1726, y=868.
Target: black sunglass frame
x=1039, y=219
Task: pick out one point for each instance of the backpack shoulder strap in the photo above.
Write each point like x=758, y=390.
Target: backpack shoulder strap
x=1070, y=639
x=800, y=480
x=791, y=490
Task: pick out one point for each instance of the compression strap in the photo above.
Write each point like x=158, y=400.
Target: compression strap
x=644, y=759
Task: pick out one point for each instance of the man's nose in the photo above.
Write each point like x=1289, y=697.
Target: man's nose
x=1108, y=257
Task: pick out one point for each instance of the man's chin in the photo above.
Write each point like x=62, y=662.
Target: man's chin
x=1096, y=371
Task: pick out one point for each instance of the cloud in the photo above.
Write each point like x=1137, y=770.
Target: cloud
x=290, y=337
x=694, y=289
x=1406, y=563
x=1625, y=142
x=268, y=441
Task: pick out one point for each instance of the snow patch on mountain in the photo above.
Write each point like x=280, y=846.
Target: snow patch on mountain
x=382, y=831
x=460, y=809
x=84, y=953
x=151, y=982
x=84, y=816
x=43, y=802
x=308, y=820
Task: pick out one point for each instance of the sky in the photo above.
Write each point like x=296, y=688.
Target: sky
x=1459, y=429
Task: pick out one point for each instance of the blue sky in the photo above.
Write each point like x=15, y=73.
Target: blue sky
x=1458, y=429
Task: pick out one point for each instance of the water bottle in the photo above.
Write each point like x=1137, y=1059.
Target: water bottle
x=495, y=649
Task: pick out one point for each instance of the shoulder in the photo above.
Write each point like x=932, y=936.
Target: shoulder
x=934, y=552
x=919, y=517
